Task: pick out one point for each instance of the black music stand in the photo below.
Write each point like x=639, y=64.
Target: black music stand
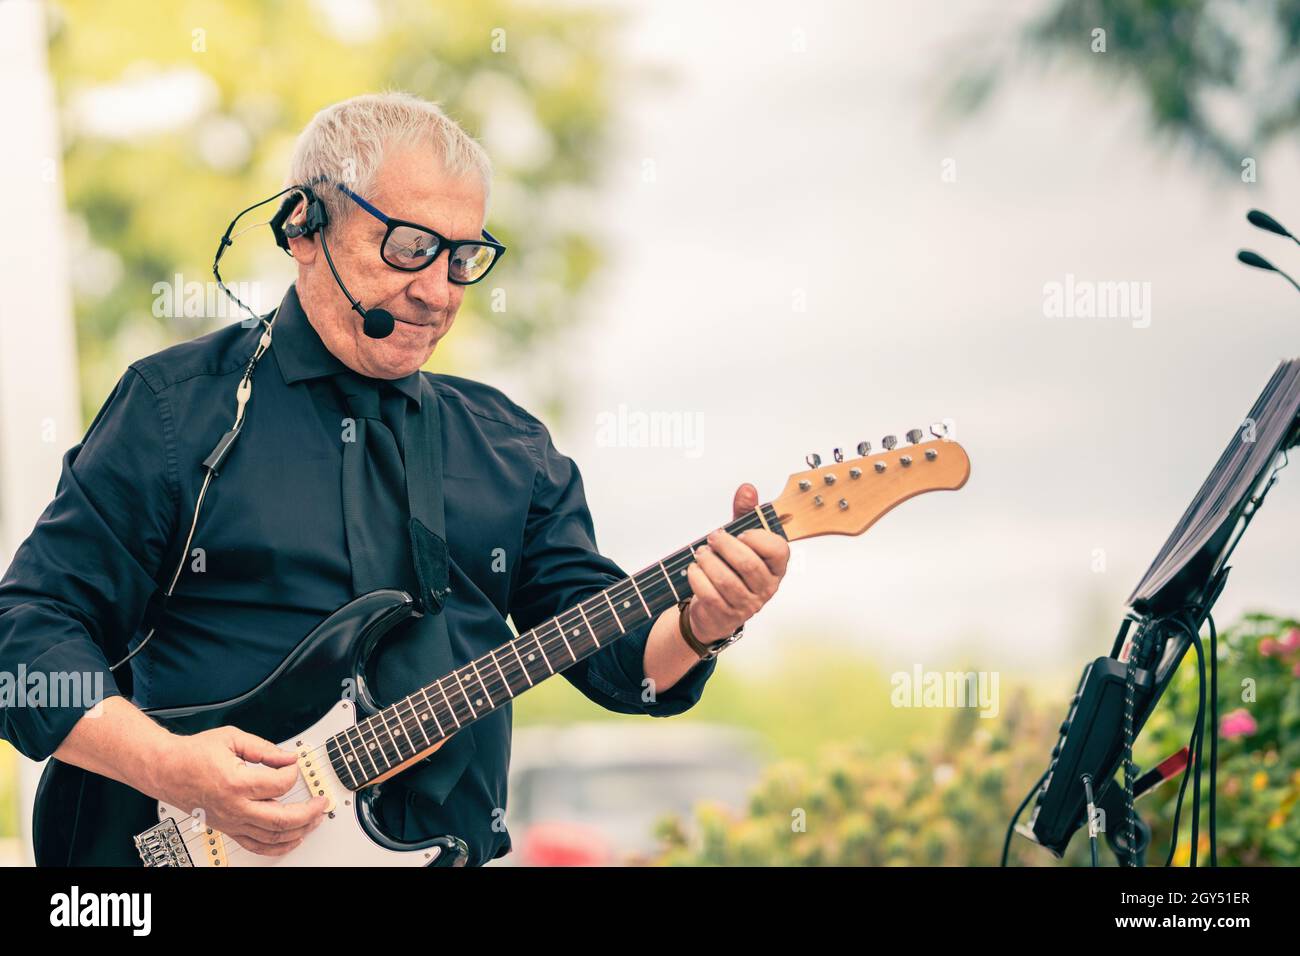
x=1176, y=594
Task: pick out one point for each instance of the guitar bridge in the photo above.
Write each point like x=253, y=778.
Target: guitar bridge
x=162, y=845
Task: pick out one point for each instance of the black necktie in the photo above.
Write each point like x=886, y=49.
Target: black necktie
x=380, y=536
x=374, y=488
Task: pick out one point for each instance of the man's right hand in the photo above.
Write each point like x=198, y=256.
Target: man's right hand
x=232, y=777
x=234, y=780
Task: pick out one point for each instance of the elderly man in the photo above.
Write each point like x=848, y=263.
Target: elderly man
x=301, y=521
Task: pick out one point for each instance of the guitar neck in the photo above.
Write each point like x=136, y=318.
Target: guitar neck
x=403, y=731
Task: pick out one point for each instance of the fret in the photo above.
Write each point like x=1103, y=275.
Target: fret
x=383, y=718
x=448, y=700
x=640, y=597
x=406, y=733
x=352, y=745
x=560, y=628
x=505, y=680
x=379, y=741
x=419, y=723
x=617, y=620
x=515, y=647
x=338, y=760
x=537, y=639
x=589, y=627
x=460, y=681
x=677, y=598
x=492, y=704
x=366, y=749
x=437, y=723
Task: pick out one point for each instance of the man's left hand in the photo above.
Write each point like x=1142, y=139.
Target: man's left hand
x=733, y=576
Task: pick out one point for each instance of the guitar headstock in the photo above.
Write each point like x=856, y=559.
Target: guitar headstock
x=848, y=496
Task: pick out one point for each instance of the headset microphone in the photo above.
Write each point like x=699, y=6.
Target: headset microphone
x=376, y=323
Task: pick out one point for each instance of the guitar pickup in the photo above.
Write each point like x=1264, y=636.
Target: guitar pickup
x=313, y=775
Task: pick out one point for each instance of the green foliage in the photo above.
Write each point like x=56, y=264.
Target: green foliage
x=944, y=802
x=1259, y=747
x=947, y=801
x=154, y=202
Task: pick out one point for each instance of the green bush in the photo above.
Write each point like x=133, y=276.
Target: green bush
x=1259, y=747
x=947, y=802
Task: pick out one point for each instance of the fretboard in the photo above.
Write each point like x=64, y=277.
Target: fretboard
x=414, y=724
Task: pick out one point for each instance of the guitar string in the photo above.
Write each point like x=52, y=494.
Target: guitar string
x=738, y=526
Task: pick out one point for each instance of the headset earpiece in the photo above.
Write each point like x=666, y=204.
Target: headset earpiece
x=313, y=222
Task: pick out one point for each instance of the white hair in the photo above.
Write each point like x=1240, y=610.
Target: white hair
x=346, y=142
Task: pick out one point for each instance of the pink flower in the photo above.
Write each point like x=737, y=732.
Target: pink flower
x=1291, y=640
x=1268, y=647
x=1239, y=723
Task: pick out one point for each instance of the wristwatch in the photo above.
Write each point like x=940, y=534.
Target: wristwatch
x=706, y=652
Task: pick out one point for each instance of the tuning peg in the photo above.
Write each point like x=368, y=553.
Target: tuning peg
x=914, y=436
x=864, y=448
x=813, y=460
x=839, y=455
x=939, y=430
x=889, y=441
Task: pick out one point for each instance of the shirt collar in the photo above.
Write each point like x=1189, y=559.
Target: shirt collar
x=302, y=355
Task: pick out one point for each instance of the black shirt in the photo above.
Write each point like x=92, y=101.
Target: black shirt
x=274, y=553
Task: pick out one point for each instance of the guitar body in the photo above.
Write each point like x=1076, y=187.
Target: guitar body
x=84, y=819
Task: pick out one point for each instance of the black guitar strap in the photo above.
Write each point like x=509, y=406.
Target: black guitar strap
x=424, y=497
x=430, y=657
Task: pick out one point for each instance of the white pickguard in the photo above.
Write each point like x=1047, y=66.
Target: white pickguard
x=339, y=841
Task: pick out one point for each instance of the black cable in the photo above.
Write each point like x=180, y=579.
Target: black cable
x=1006, y=844
x=1200, y=745
x=1193, y=754
x=224, y=243
x=1214, y=736
x=1091, y=810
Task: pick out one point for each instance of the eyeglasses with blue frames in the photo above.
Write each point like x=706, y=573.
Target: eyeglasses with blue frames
x=411, y=247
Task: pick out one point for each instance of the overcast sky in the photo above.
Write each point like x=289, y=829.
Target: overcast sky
x=817, y=173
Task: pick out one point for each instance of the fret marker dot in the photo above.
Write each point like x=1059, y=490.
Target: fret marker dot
x=576, y=632
x=532, y=657
x=627, y=603
x=478, y=702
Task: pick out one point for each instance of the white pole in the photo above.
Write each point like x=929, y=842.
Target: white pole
x=40, y=415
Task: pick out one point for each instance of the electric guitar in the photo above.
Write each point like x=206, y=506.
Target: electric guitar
x=346, y=747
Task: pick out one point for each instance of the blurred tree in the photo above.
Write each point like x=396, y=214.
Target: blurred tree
x=1201, y=66
x=176, y=116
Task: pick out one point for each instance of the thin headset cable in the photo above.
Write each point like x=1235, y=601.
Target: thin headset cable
x=243, y=393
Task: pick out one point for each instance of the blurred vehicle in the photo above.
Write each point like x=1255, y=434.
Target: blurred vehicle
x=589, y=794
